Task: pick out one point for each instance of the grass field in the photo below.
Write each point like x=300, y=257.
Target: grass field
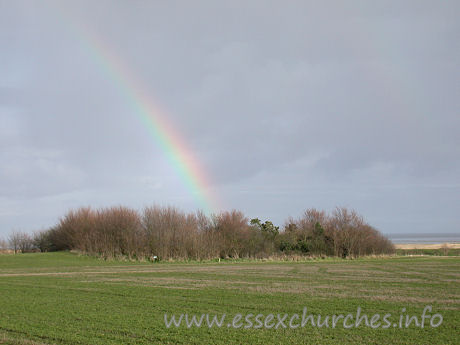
x=63, y=298
x=428, y=251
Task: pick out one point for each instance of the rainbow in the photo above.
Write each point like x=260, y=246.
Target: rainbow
x=187, y=166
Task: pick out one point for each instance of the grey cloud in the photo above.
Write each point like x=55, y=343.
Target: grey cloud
x=286, y=105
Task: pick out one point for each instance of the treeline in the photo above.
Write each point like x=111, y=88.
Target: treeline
x=168, y=233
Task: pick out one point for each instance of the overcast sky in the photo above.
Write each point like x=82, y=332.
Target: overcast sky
x=287, y=105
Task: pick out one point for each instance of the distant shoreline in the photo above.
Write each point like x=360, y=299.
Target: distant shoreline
x=424, y=240
x=427, y=245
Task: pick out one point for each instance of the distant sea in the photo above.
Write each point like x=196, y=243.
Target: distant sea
x=433, y=238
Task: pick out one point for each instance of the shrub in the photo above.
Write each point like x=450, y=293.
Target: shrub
x=169, y=233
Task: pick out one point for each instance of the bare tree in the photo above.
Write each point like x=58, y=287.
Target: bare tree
x=234, y=232
x=14, y=240
x=26, y=243
x=3, y=245
x=20, y=242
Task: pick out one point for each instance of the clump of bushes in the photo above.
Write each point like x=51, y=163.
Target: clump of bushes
x=21, y=242
x=168, y=233
x=343, y=233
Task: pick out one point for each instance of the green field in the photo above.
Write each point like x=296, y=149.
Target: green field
x=63, y=298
